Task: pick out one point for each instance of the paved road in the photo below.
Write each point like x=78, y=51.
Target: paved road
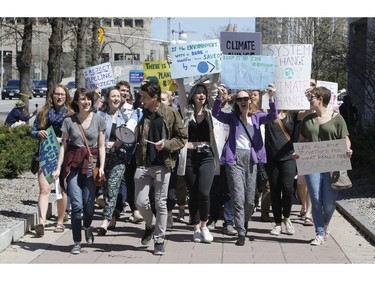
x=7, y=105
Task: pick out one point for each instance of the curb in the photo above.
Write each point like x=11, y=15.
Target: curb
x=352, y=214
x=21, y=227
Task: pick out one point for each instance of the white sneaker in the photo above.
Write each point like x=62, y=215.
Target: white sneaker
x=276, y=230
x=197, y=237
x=289, y=227
x=319, y=240
x=207, y=237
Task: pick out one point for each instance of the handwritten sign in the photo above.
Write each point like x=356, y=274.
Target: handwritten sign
x=240, y=43
x=193, y=59
x=321, y=157
x=333, y=87
x=221, y=132
x=99, y=76
x=160, y=72
x=48, y=154
x=247, y=72
x=292, y=74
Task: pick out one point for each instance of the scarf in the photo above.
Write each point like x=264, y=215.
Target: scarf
x=56, y=118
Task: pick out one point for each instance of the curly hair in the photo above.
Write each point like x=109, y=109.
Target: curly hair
x=43, y=113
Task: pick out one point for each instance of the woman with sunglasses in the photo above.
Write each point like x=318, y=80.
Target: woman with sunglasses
x=241, y=154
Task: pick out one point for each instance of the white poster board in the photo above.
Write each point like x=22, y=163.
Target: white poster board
x=292, y=74
x=333, y=87
x=221, y=132
x=247, y=72
x=240, y=43
x=99, y=76
x=321, y=157
x=193, y=59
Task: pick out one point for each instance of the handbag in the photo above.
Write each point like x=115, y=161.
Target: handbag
x=340, y=180
x=99, y=180
x=35, y=163
x=262, y=177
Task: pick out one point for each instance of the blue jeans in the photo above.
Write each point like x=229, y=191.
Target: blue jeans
x=81, y=189
x=323, y=199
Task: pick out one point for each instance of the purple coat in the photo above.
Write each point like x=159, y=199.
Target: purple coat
x=258, y=152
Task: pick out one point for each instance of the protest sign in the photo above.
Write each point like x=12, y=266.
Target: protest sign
x=292, y=74
x=160, y=72
x=48, y=154
x=321, y=157
x=99, y=76
x=247, y=72
x=136, y=76
x=240, y=43
x=193, y=59
x=221, y=132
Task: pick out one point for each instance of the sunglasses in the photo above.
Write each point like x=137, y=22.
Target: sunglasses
x=242, y=99
x=310, y=98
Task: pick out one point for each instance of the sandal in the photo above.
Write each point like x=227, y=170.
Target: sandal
x=102, y=231
x=39, y=229
x=308, y=222
x=59, y=228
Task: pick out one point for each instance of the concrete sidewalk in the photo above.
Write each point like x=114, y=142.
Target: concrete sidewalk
x=122, y=246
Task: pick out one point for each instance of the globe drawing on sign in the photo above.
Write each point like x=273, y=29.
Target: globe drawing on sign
x=289, y=73
x=202, y=67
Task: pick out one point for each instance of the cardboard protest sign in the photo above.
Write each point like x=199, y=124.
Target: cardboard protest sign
x=99, y=76
x=247, y=72
x=160, y=72
x=193, y=59
x=292, y=74
x=333, y=87
x=221, y=132
x=321, y=157
x=240, y=43
x=48, y=154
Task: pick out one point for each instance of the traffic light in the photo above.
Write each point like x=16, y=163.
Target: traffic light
x=101, y=34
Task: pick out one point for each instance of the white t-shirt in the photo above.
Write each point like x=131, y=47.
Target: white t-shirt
x=242, y=140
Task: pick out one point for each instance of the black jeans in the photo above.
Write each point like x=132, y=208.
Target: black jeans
x=200, y=172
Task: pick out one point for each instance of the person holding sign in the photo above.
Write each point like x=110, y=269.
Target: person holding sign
x=52, y=114
x=83, y=140
x=242, y=151
x=322, y=125
x=202, y=161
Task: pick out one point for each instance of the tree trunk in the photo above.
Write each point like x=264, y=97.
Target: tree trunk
x=24, y=62
x=95, y=42
x=55, y=51
x=81, y=52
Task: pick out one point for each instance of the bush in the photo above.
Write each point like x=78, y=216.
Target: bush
x=16, y=150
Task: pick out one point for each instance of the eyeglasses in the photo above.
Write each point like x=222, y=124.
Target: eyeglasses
x=242, y=99
x=59, y=94
x=310, y=98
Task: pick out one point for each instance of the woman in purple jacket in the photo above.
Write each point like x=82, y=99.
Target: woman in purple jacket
x=241, y=155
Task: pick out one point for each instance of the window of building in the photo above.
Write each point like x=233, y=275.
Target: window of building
x=132, y=57
x=106, y=22
x=128, y=22
x=119, y=56
x=139, y=23
x=104, y=57
x=117, y=22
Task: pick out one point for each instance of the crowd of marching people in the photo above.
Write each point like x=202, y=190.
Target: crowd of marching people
x=158, y=155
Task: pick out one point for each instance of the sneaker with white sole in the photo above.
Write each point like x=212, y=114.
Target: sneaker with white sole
x=288, y=227
x=76, y=249
x=276, y=230
x=229, y=230
x=207, y=237
x=319, y=240
x=197, y=237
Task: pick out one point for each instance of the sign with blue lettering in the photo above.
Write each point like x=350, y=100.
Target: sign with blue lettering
x=100, y=75
x=240, y=43
x=135, y=76
x=247, y=72
x=48, y=154
x=194, y=59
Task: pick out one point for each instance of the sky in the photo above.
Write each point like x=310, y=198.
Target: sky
x=198, y=28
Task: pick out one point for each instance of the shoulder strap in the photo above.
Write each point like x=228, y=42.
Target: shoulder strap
x=283, y=129
x=86, y=143
x=247, y=132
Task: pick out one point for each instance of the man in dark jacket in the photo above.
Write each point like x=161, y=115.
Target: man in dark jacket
x=161, y=134
x=16, y=118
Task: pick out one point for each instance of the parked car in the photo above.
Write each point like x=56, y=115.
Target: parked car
x=40, y=89
x=11, y=90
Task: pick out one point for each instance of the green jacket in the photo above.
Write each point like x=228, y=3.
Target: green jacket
x=174, y=133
